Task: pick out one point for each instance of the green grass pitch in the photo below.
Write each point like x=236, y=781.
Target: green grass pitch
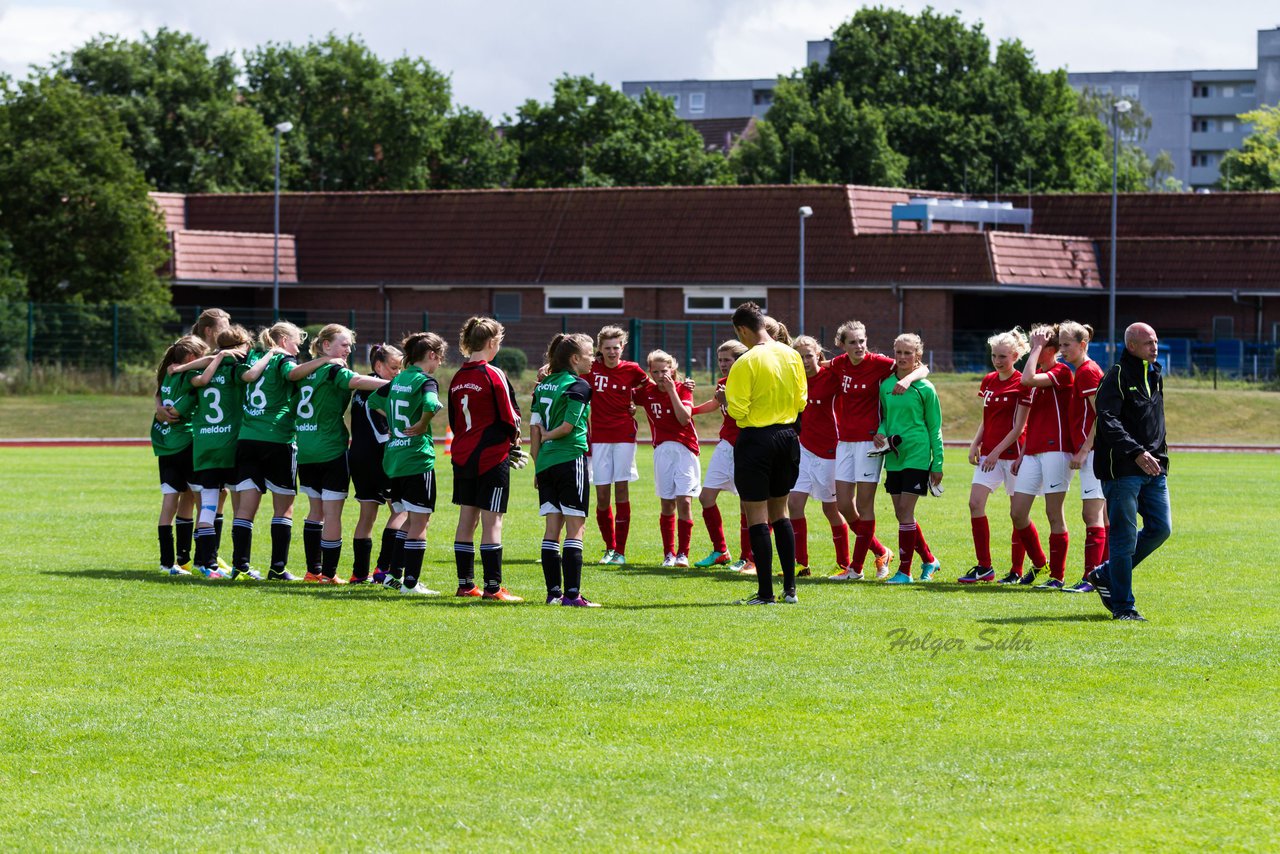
x=147, y=712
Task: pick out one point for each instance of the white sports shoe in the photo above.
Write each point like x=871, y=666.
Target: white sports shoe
x=419, y=589
x=608, y=557
x=670, y=560
x=682, y=560
x=174, y=570
x=790, y=599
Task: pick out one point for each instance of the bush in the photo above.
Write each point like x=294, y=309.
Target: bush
x=512, y=360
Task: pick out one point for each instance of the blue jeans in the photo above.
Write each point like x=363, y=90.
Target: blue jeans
x=1126, y=498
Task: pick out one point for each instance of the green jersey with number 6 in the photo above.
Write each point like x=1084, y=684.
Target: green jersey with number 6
x=562, y=397
x=172, y=437
x=268, y=400
x=321, y=401
x=403, y=400
x=216, y=424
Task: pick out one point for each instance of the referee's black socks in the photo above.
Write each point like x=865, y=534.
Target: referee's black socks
x=784, y=536
x=762, y=550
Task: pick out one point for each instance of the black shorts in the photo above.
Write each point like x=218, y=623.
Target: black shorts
x=565, y=488
x=328, y=481
x=414, y=492
x=766, y=462
x=175, y=472
x=213, y=478
x=907, y=481
x=489, y=491
x=266, y=466
x=369, y=479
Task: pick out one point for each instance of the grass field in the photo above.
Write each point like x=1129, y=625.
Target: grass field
x=150, y=712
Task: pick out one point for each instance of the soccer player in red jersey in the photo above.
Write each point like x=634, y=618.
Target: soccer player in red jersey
x=994, y=450
x=857, y=417
x=1043, y=466
x=485, y=420
x=677, y=473
x=1081, y=415
x=613, y=439
x=720, y=471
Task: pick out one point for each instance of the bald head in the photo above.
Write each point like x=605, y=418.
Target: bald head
x=1140, y=340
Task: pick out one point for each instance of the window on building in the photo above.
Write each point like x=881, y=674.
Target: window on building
x=1129, y=90
x=506, y=307
x=1224, y=328
x=584, y=300
x=1246, y=90
x=1201, y=125
x=697, y=102
x=1200, y=160
x=761, y=97
x=675, y=100
x=1200, y=90
x=1228, y=91
x=698, y=301
x=1228, y=126
x=1104, y=89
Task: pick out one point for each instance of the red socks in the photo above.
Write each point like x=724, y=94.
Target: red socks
x=1058, y=555
x=840, y=537
x=801, y=528
x=715, y=528
x=1017, y=554
x=1030, y=540
x=863, y=534
x=744, y=541
x=1095, y=545
x=907, y=532
x=922, y=548
x=604, y=517
x=1106, y=543
x=981, y=539
x=667, y=525
x=621, y=527
x=685, y=526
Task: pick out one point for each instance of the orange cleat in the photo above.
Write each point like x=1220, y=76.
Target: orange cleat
x=502, y=595
x=470, y=592
x=882, y=564
x=324, y=579
x=314, y=578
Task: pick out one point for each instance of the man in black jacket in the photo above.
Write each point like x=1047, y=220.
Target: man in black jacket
x=1132, y=460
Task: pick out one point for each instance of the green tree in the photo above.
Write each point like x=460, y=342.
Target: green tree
x=591, y=135
x=1256, y=164
x=187, y=128
x=473, y=154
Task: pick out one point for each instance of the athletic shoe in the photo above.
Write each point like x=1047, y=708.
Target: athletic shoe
x=223, y=566
x=210, y=572
x=1051, y=584
x=419, y=589
x=927, y=570
x=185, y=567
x=1130, y=615
x=379, y=576
x=738, y=565
x=174, y=570
x=552, y=599
x=669, y=560
x=801, y=570
x=313, y=577
x=579, y=601
x=714, y=559
x=280, y=575
x=324, y=579
x=978, y=573
x=755, y=600
x=682, y=561
x=849, y=574
x=392, y=582
x=1028, y=577
x=1083, y=587
x=748, y=568
x=502, y=594
x=1011, y=578
x=900, y=578
x=355, y=579
x=249, y=573
x=1100, y=587
x=791, y=599
x=608, y=557
x=618, y=559
x=471, y=592
x=882, y=565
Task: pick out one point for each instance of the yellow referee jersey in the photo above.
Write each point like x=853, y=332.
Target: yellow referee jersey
x=766, y=386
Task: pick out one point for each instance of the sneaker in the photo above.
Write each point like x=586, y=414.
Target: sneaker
x=715, y=559
x=355, y=579
x=185, y=567
x=324, y=579
x=978, y=573
x=471, y=592
x=900, y=578
x=791, y=599
x=849, y=574
x=223, y=566
x=748, y=568
x=1011, y=578
x=755, y=600
x=280, y=575
x=313, y=577
x=669, y=560
x=882, y=565
x=801, y=570
x=174, y=570
x=1051, y=584
x=928, y=570
x=502, y=594
x=419, y=589
x=210, y=572
x=579, y=601
x=1028, y=576
x=682, y=561
x=1096, y=578
x=391, y=582
x=618, y=559
x=1082, y=587
x=249, y=573
x=379, y=576
x=1130, y=615
x=607, y=558
x=553, y=599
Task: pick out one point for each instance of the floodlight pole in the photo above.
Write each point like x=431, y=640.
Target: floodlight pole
x=805, y=213
x=281, y=129
x=1116, y=109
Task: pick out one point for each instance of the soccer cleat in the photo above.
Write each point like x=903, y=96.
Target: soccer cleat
x=791, y=598
x=471, y=592
x=738, y=565
x=379, y=576
x=1051, y=584
x=324, y=579
x=618, y=559
x=928, y=570
x=391, y=582
x=1082, y=587
x=579, y=601
x=755, y=600
x=223, y=566
x=978, y=573
x=248, y=572
x=502, y=594
x=185, y=567
x=1130, y=615
x=280, y=575
x=553, y=599
x=1011, y=578
x=1029, y=576
x=313, y=578
x=356, y=579
x=210, y=572
x=682, y=561
x=849, y=574
x=669, y=560
x=419, y=590
x=900, y=578
x=607, y=558
x=714, y=559
x=748, y=568
x=882, y=565
x=174, y=570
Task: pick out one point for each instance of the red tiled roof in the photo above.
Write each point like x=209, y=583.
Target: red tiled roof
x=994, y=257
x=873, y=208
x=1158, y=214
x=1043, y=259
x=225, y=256
x=173, y=207
x=1204, y=263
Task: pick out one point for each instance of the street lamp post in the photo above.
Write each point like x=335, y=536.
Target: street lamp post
x=281, y=129
x=805, y=213
x=1116, y=109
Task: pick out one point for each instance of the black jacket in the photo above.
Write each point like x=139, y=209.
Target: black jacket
x=1130, y=406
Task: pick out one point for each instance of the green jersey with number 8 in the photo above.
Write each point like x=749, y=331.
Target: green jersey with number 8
x=216, y=424
x=172, y=437
x=560, y=398
x=403, y=400
x=268, y=400
x=321, y=401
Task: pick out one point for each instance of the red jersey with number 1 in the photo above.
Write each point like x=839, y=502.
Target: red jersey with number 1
x=1047, y=428
x=484, y=417
x=1000, y=402
x=1080, y=414
x=818, y=420
x=611, y=388
x=729, y=430
x=663, y=424
x=858, y=401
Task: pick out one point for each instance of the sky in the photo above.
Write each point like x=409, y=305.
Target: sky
x=499, y=53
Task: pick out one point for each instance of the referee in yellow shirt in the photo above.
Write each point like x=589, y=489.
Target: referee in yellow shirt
x=765, y=392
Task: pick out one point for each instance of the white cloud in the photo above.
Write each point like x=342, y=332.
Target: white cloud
x=32, y=34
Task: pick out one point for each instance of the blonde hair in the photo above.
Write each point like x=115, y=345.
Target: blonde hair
x=777, y=330
x=1015, y=339
x=476, y=334
x=180, y=352
x=608, y=332
x=210, y=318
x=275, y=333
x=563, y=347
x=234, y=336
x=912, y=339
x=327, y=334
x=663, y=356
x=1050, y=333
x=734, y=346
x=807, y=341
x=847, y=329
x=419, y=344
x=1081, y=332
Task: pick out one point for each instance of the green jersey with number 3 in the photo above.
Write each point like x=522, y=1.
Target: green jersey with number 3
x=403, y=400
x=216, y=424
x=171, y=437
x=562, y=397
x=268, y=400
x=321, y=400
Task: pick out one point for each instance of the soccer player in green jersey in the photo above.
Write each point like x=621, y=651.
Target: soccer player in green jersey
x=369, y=433
x=910, y=434
x=558, y=443
x=324, y=392
x=171, y=443
x=410, y=401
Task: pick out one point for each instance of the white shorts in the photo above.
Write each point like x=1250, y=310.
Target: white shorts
x=817, y=477
x=853, y=465
x=1044, y=474
x=1090, y=486
x=992, y=480
x=720, y=469
x=676, y=471
x=613, y=462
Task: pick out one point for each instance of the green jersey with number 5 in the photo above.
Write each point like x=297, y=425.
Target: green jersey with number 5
x=321, y=400
x=404, y=399
x=172, y=437
x=216, y=423
x=268, y=400
x=560, y=398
